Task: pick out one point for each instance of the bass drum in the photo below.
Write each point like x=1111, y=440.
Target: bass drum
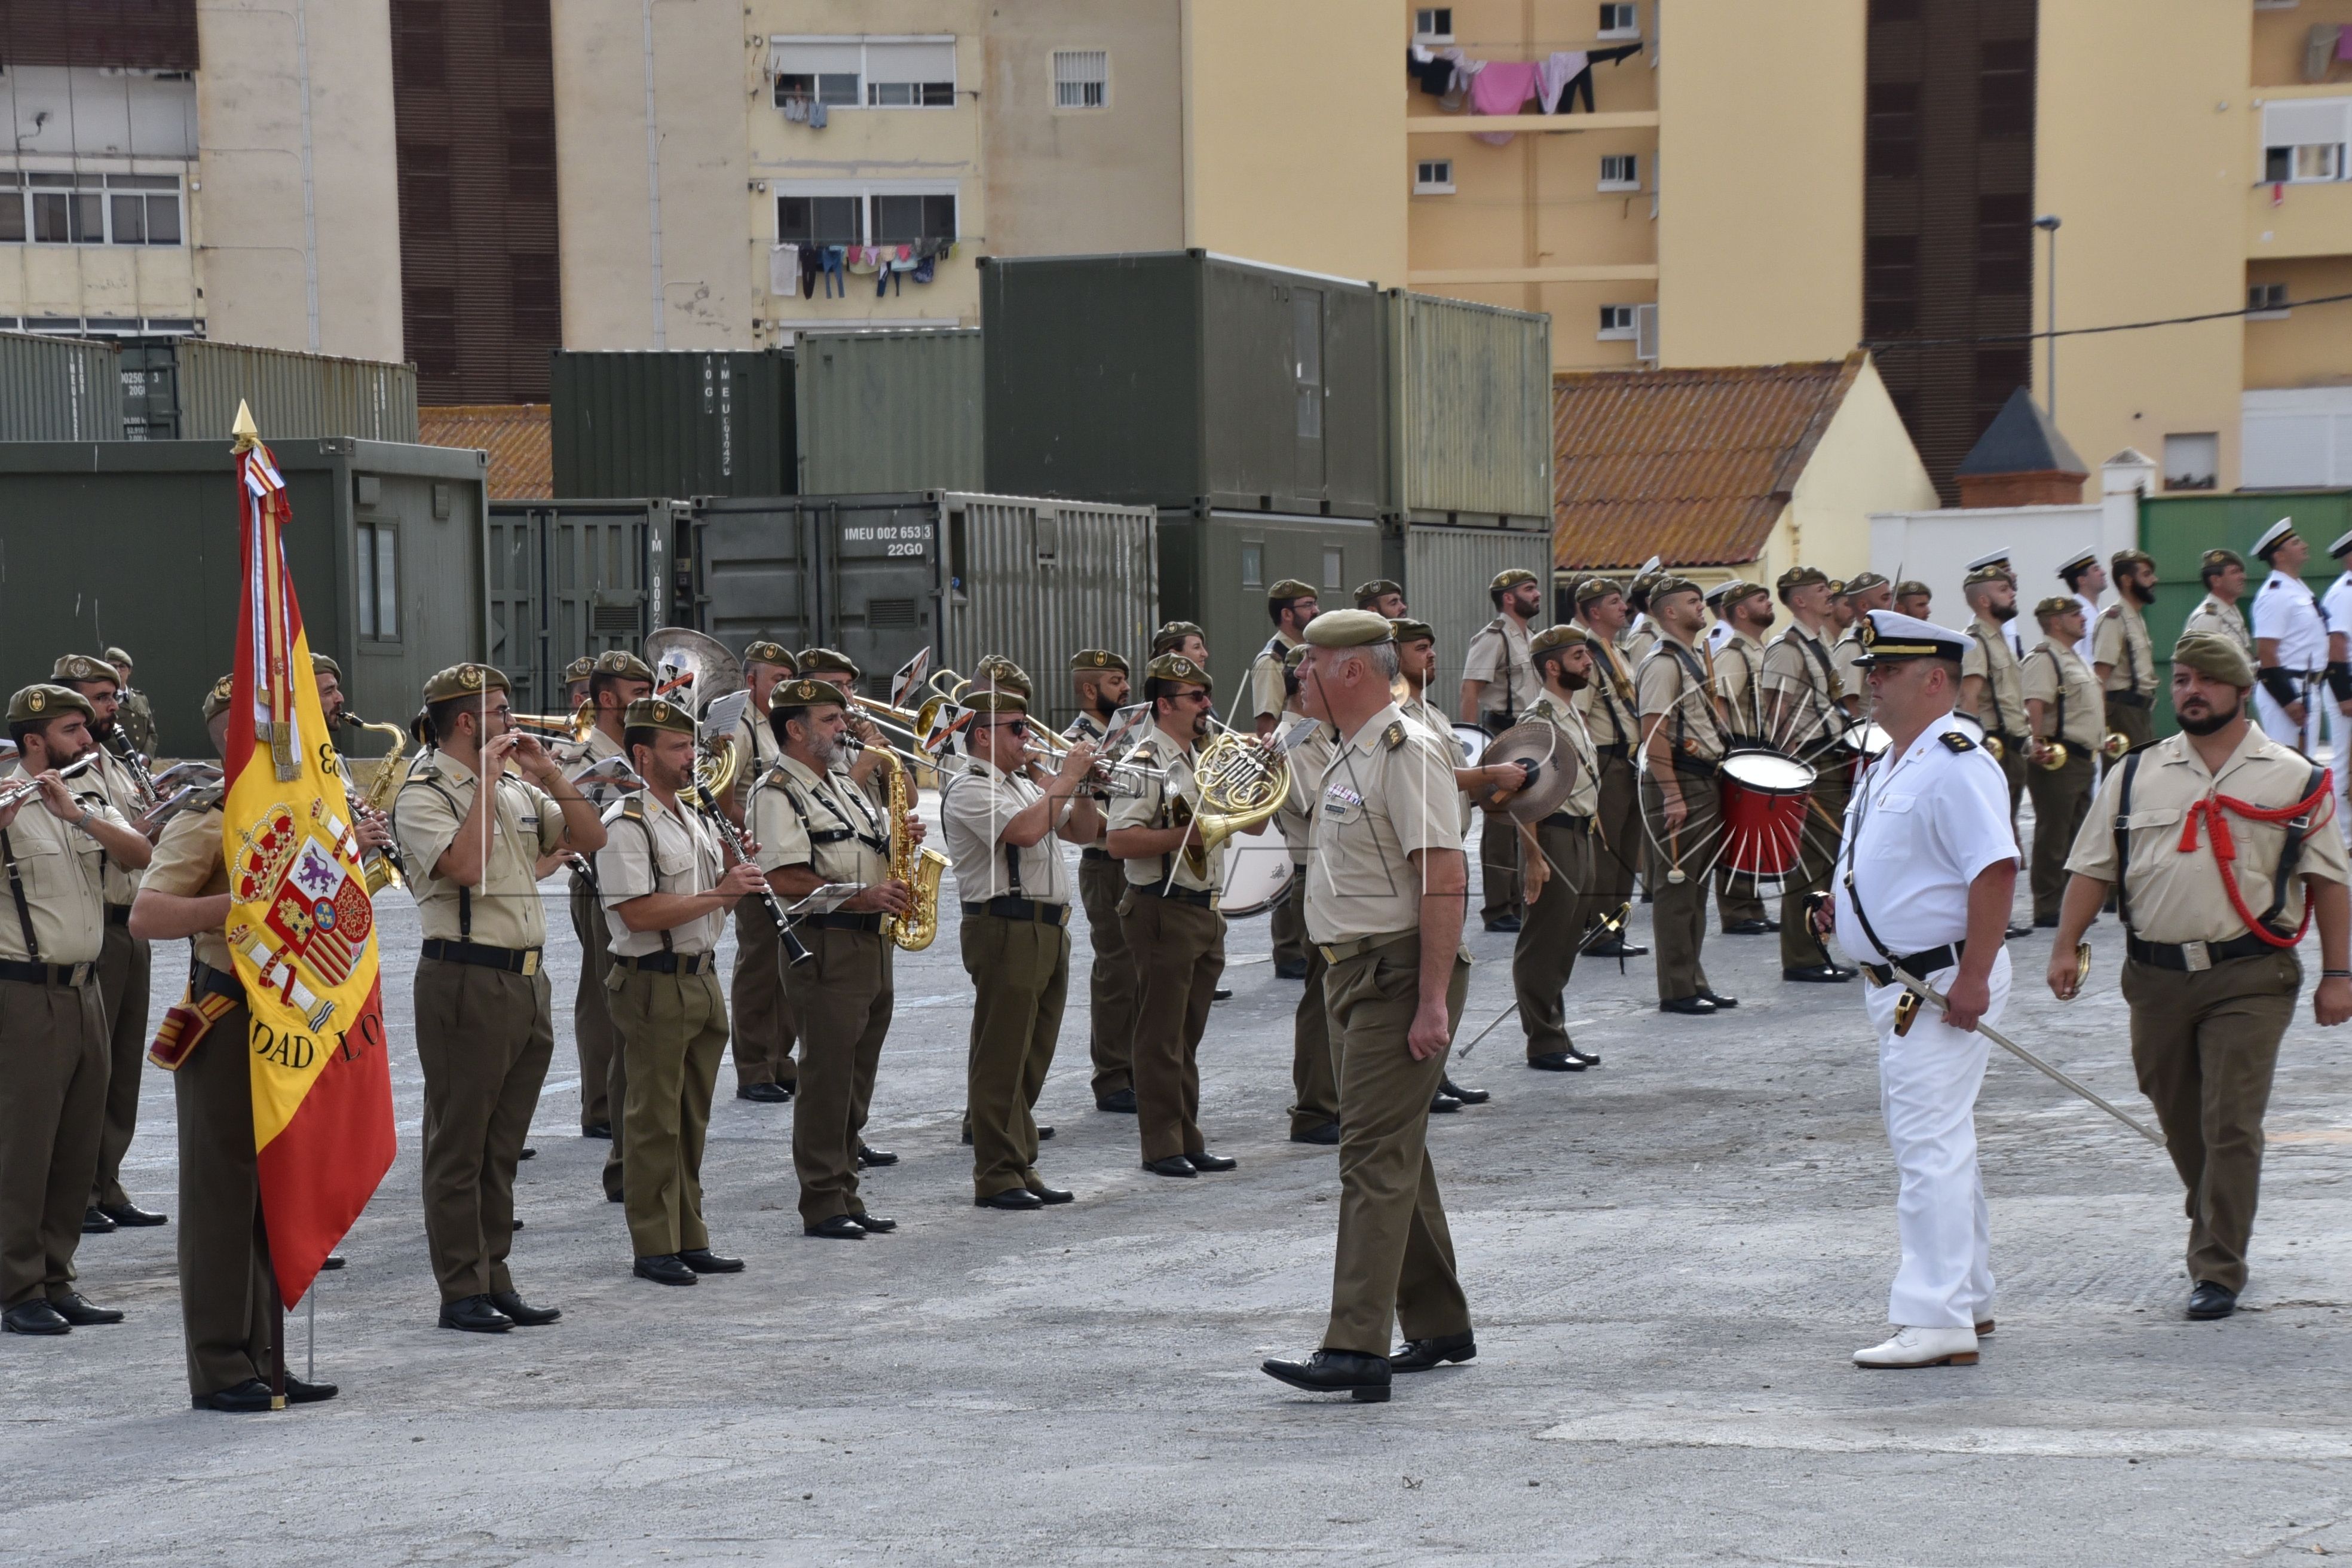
x=1258, y=876
x=1470, y=740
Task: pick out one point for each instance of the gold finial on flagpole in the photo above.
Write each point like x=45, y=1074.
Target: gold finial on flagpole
x=247, y=434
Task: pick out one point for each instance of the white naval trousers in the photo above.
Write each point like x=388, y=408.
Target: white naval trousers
x=2282, y=729
x=1928, y=1082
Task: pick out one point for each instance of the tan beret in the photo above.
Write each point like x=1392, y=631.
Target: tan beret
x=2123, y=558
x=1983, y=574
x=1911, y=587
x=658, y=713
x=1350, y=629
x=1289, y=588
x=1863, y=582
x=579, y=669
x=1510, y=577
x=83, y=666
x=1799, y=577
x=465, y=681
x=39, y=703
x=1662, y=586
x=1368, y=594
x=116, y=656
x=321, y=665
x=2216, y=656
x=996, y=672
x=2055, y=605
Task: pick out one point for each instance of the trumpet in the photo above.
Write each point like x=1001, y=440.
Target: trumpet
x=25, y=789
x=573, y=727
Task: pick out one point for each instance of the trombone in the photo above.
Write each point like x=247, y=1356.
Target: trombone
x=573, y=726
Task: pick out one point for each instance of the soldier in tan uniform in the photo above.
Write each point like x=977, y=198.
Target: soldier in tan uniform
x=2062, y=705
x=1385, y=902
x=56, y=840
x=1611, y=715
x=1383, y=598
x=2224, y=573
x=1181, y=638
x=1170, y=912
x=1863, y=594
x=1289, y=605
x=2211, y=993
x=2123, y=656
x=1315, y=1112
x=136, y=716
x=1498, y=689
x=1100, y=677
x=1989, y=689
x=1563, y=894
x=576, y=676
x=228, y=1294
x=1681, y=744
x=123, y=965
x=616, y=679
x=1913, y=598
x=1745, y=609
x=764, y=1071
x=1805, y=715
x=666, y=884
x=484, y=1029
x=1004, y=831
x=815, y=825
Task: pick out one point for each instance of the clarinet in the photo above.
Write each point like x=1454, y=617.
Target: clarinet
x=795, y=950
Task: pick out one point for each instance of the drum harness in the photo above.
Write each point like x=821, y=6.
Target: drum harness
x=1992, y=691
x=1701, y=676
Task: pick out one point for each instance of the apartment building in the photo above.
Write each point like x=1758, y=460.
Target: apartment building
x=1769, y=181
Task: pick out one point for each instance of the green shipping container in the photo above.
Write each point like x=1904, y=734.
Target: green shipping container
x=1216, y=566
x=881, y=412
x=1469, y=409
x=58, y=389
x=2178, y=529
x=386, y=549
x=291, y=394
x=676, y=423
x=1182, y=380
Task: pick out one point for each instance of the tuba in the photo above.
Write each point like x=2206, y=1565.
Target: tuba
x=695, y=670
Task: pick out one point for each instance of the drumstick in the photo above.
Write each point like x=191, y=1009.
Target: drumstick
x=1675, y=855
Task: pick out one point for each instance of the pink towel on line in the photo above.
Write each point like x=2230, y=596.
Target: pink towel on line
x=2343, y=43
x=1503, y=87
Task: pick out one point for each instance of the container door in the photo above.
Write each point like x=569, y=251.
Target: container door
x=512, y=547
x=882, y=582
x=753, y=573
x=1306, y=376
x=567, y=581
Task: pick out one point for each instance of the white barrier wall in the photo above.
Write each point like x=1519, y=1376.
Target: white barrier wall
x=1934, y=547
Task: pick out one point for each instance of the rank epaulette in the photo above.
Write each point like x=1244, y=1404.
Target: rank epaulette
x=634, y=806
x=1956, y=741
x=1393, y=736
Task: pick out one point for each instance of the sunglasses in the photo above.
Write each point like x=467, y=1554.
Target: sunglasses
x=1200, y=697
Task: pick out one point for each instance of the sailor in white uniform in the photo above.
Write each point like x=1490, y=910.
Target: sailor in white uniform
x=2290, y=641
x=2335, y=609
x=1925, y=877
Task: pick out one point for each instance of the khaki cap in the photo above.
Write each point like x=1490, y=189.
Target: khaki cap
x=1354, y=629
x=1407, y=629
x=1911, y=586
x=775, y=653
x=622, y=662
x=2123, y=558
x=1008, y=700
x=1365, y=593
x=83, y=666
x=465, y=681
x=658, y=713
x=806, y=693
x=1088, y=661
x=1661, y=587
x=1175, y=632
x=216, y=699
x=39, y=703
x=2216, y=656
x=1863, y=582
x=997, y=673
x=1176, y=666
x=1295, y=655
x=579, y=669
x=1566, y=635
x=1996, y=573
x=321, y=665
x=2217, y=559
x=2055, y=605
x=1510, y=577
x=1593, y=588
x=813, y=660
x=1290, y=588
x=1799, y=577
x=116, y=656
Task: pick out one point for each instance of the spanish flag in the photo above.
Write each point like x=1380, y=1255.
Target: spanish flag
x=301, y=925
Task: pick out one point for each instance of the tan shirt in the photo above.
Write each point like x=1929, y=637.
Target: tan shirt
x=1584, y=794
x=505, y=910
x=1989, y=657
x=973, y=811
x=792, y=808
x=1266, y=690
x=1150, y=808
x=122, y=793
x=755, y=749
x=1639, y=638
x=650, y=848
x=1088, y=728
x=189, y=862
x=2214, y=619
x=1607, y=705
x=2122, y=641
x=1737, y=663
x=1853, y=679
x=1387, y=793
x=1498, y=656
x=63, y=872
x=2054, y=671
x=2176, y=896
x=1800, y=675
x=1418, y=709
x=1666, y=686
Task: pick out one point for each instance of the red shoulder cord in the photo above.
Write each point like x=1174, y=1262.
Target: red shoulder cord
x=2225, y=848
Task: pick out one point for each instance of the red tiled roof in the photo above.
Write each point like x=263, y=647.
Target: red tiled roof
x=1694, y=466
x=522, y=461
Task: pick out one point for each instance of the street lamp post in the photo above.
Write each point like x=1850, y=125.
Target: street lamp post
x=2048, y=223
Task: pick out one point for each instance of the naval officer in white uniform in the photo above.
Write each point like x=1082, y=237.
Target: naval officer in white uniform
x=2290, y=641
x=1925, y=874
x=2335, y=609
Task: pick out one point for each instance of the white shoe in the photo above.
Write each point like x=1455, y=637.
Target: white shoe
x=1915, y=1347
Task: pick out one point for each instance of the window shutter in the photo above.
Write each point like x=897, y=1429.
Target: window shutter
x=2302, y=122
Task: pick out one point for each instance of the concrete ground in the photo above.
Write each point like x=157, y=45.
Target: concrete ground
x=1670, y=1258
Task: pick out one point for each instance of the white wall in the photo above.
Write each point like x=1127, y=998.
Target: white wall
x=2298, y=437
x=1934, y=547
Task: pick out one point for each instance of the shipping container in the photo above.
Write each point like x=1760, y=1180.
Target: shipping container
x=1216, y=566
x=292, y=394
x=1187, y=381
x=57, y=389
x=2178, y=529
x=1445, y=573
x=1469, y=412
x=387, y=548
x=881, y=412
x=673, y=423
x=569, y=578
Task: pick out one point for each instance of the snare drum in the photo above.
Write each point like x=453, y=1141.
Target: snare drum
x=1867, y=740
x=1763, y=797
x=1258, y=876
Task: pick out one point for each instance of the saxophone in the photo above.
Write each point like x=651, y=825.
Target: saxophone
x=919, y=868
x=383, y=867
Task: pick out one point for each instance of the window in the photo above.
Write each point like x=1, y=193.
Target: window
x=2314, y=161
x=2266, y=302
x=90, y=209
x=1253, y=565
x=1432, y=24
x=2005, y=87
x=1891, y=131
x=909, y=220
x=1616, y=323
x=873, y=73
x=1335, y=566
x=2192, y=462
x=1620, y=171
x=2004, y=244
x=2304, y=139
x=1307, y=356
x=1433, y=177
x=1082, y=78
x=839, y=216
x=379, y=588
x=1890, y=285
x=1620, y=21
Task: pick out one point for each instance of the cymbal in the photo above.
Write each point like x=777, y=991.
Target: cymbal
x=1537, y=744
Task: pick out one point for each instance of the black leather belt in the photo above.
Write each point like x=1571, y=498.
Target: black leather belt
x=207, y=981
x=670, y=963
x=1618, y=749
x=1011, y=909
x=1920, y=964
x=1094, y=854
x=842, y=922
x=2128, y=699
x=118, y=914
x=1562, y=819
x=2194, y=956
x=513, y=960
x=75, y=975
x=1175, y=894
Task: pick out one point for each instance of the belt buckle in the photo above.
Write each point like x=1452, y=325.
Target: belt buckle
x=2197, y=955
x=1330, y=954
x=530, y=963
x=79, y=974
